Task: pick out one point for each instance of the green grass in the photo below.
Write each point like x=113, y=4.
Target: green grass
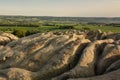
x=14, y=27
x=103, y=28
x=56, y=28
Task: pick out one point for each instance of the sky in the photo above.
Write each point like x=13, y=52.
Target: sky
x=72, y=8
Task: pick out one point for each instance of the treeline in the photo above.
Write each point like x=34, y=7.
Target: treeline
x=19, y=25
x=65, y=19
x=23, y=32
x=114, y=25
x=105, y=24
x=66, y=27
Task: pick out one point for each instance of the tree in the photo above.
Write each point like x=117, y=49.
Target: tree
x=20, y=32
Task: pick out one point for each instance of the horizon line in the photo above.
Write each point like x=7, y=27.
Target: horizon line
x=66, y=16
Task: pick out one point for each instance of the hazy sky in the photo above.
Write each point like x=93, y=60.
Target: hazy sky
x=81, y=8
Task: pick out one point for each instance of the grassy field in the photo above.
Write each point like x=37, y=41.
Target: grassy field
x=56, y=28
x=103, y=28
x=3, y=28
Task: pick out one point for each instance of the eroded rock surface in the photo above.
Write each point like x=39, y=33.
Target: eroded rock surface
x=68, y=55
x=6, y=38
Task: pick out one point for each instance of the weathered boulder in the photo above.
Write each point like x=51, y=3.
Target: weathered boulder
x=110, y=54
x=115, y=75
x=42, y=53
x=15, y=74
x=67, y=55
x=114, y=66
x=6, y=38
x=113, y=36
x=94, y=35
x=86, y=64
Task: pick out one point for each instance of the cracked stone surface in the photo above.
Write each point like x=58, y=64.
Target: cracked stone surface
x=66, y=55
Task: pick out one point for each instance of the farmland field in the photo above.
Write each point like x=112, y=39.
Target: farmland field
x=56, y=28
x=26, y=25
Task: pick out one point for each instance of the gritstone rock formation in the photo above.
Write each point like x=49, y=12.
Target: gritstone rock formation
x=6, y=38
x=68, y=55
